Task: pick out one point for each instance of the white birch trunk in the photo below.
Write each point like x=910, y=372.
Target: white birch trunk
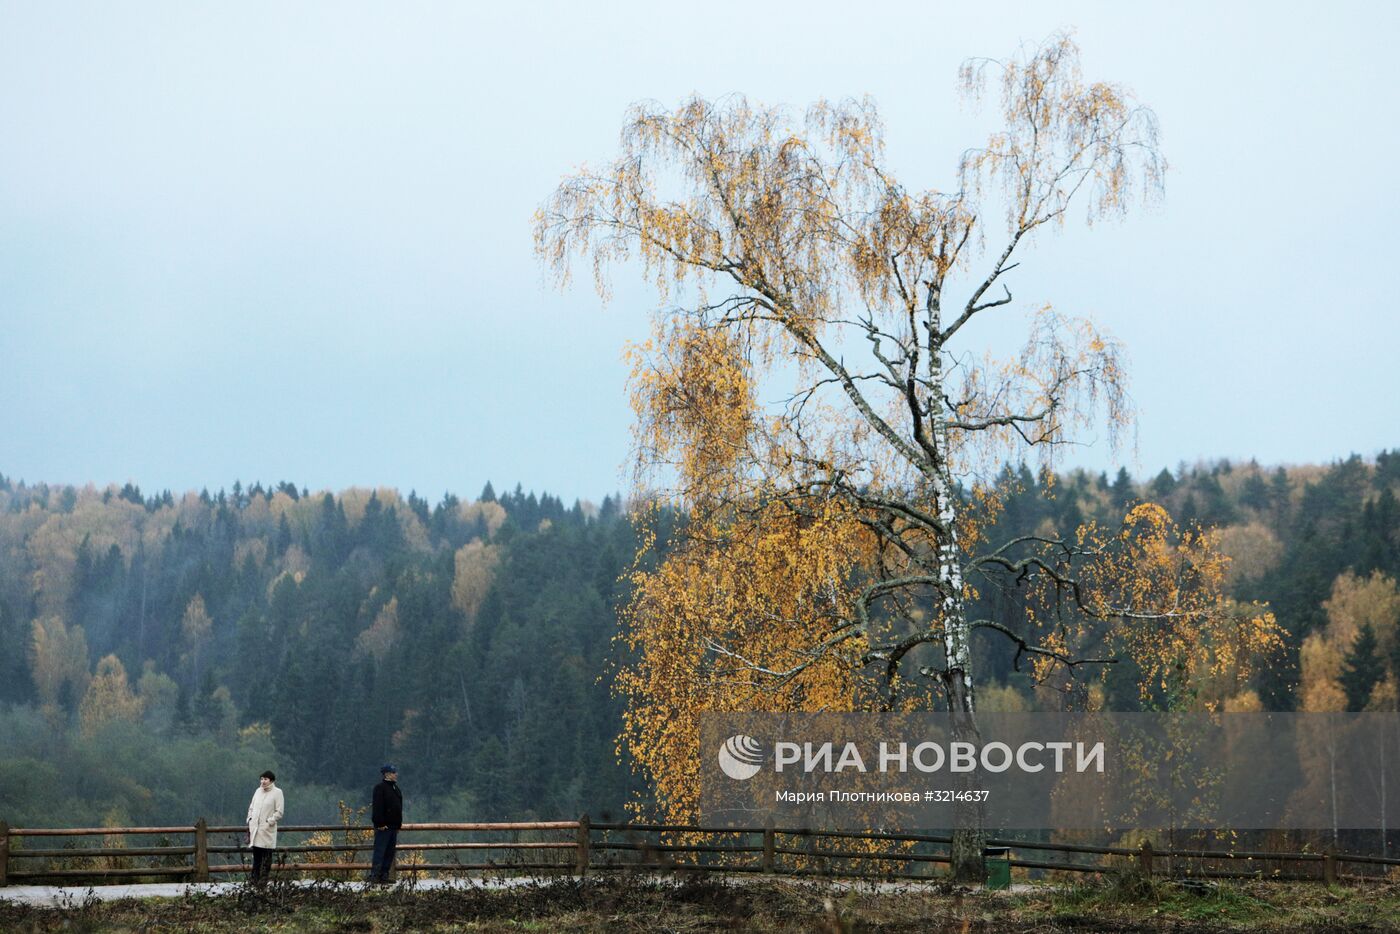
x=969, y=831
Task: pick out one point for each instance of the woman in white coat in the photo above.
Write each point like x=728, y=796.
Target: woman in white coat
x=263, y=814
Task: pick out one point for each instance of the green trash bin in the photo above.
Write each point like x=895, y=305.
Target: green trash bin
x=998, y=859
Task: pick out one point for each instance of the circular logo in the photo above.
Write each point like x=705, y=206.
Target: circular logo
x=741, y=757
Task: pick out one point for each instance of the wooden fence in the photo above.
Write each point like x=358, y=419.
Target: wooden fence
x=201, y=853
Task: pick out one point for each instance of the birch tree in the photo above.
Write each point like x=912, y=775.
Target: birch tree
x=835, y=535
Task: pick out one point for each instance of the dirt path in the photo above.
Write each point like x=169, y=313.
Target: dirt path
x=58, y=896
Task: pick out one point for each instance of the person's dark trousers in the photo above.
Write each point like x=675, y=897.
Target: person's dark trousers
x=385, y=843
x=262, y=865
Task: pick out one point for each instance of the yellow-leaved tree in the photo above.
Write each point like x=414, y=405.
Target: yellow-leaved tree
x=59, y=665
x=109, y=698
x=196, y=629
x=831, y=538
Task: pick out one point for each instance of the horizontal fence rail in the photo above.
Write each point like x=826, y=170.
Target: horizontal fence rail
x=198, y=852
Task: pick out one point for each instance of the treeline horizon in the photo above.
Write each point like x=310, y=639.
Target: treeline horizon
x=158, y=652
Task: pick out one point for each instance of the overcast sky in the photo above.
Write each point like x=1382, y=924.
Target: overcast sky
x=292, y=241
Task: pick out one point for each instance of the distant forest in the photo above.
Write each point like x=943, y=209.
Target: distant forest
x=158, y=652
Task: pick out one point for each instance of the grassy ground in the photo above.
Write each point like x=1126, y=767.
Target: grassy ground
x=706, y=904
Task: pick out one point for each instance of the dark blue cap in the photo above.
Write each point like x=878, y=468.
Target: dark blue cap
x=388, y=768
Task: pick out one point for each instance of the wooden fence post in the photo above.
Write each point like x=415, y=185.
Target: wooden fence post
x=770, y=856
x=201, y=851
x=1144, y=858
x=4, y=853
x=583, y=846
x=1329, y=865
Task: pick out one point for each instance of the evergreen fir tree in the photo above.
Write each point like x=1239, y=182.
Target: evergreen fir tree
x=1216, y=508
x=1190, y=510
x=284, y=535
x=1362, y=669
x=1387, y=469
x=1279, y=493
x=419, y=505
x=1163, y=484
x=1255, y=494
x=1381, y=531
x=1395, y=656
x=14, y=673
x=611, y=508
x=1123, y=492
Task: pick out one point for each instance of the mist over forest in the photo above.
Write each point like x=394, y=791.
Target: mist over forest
x=158, y=651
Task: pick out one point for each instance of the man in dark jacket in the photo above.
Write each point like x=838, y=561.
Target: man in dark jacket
x=387, y=817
